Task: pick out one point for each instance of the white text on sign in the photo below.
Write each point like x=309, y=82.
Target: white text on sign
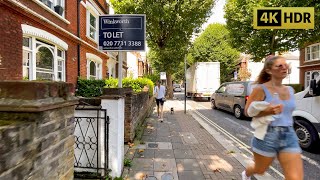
x=283, y=18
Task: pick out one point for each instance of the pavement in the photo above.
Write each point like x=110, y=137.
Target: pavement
x=180, y=148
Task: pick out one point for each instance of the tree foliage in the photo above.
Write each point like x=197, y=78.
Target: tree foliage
x=170, y=25
x=259, y=43
x=213, y=46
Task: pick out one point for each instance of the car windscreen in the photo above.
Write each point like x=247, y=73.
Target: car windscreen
x=235, y=89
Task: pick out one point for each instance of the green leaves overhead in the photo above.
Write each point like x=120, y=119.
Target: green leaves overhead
x=170, y=25
x=259, y=43
x=213, y=46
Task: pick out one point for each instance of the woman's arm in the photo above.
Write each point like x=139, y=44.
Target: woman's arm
x=258, y=95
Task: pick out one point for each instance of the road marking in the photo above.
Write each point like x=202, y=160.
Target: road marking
x=244, y=127
x=189, y=107
x=311, y=161
x=305, y=158
x=243, y=145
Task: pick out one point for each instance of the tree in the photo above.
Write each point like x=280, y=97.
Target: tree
x=213, y=46
x=170, y=25
x=259, y=43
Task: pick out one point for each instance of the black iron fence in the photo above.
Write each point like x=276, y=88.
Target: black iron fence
x=91, y=142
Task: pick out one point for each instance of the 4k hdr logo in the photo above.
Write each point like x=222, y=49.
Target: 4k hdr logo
x=283, y=18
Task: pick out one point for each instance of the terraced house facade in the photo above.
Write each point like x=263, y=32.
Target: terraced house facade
x=309, y=63
x=51, y=40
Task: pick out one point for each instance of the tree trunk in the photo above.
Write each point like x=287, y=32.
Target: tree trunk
x=169, y=86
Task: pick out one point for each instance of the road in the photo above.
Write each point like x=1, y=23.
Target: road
x=242, y=131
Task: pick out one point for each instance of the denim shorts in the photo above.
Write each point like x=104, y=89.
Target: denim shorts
x=277, y=139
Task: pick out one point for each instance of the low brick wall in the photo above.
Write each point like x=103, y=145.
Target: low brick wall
x=137, y=108
x=36, y=130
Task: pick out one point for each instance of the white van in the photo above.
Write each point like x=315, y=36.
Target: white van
x=307, y=115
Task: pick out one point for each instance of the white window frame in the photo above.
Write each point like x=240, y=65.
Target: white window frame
x=94, y=12
x=62, y=59
x=98, y=64
x=27, y=50
x=32, y=63
x=309, y=48
x=54, y=3
x=308, y=75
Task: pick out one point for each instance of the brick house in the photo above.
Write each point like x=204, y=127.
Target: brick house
x=309, y=63
x=51, y=40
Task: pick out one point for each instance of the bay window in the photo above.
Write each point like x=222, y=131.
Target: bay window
x=42, y=60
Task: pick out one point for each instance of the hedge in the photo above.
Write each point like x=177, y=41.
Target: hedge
x=93, y=88
x=89, y=87
x=136, y=84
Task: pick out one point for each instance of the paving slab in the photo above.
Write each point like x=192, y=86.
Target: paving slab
x=191, y=175
x=184, y=154
x=164, y=153
x=179, y=148
x=144, y=153
x=187, y=165
x=164, y=165
x=142, y=164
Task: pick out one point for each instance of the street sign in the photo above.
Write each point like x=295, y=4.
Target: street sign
x=283, y=18
x=122, y=32
x=163, y=76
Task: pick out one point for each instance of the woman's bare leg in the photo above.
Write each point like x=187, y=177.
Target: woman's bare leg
x=261, y=164
x=292, y=165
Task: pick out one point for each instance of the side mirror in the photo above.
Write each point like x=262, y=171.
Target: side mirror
x=312, y=87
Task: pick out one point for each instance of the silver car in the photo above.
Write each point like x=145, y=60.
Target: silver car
x=177, y=88
x=232, y=96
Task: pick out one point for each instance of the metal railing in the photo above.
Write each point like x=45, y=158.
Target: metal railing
x=91, y=142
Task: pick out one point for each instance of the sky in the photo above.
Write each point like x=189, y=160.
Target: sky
x=217, y=14
x=217, y=17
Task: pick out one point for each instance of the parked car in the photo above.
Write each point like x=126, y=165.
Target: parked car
x=177, y=88
x=232, y=96
x=307, y=115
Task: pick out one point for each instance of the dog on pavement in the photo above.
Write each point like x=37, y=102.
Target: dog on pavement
x=172, y=111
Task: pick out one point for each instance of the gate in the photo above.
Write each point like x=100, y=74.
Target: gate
x=91, y=142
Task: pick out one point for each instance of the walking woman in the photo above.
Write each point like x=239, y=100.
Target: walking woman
x=160, y=92
x=280, y=139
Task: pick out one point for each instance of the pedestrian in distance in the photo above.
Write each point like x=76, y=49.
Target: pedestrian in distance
x=279, y=138
x=159, y=93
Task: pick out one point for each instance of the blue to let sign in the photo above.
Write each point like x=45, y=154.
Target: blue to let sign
x=122, y=32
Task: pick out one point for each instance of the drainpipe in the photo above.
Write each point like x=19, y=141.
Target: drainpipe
x=78, y=34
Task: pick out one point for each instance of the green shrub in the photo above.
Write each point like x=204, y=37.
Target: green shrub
x=89, y=87
x=146, y=82
x=137, y=85
x=153, y=77
x=297, y=87
x=111, y=83
x=133, y=83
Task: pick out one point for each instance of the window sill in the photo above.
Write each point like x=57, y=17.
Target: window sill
x=91, y=39
x=51, y=11
x=306, y=61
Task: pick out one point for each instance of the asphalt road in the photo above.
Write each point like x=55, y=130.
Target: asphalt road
x=241, y=130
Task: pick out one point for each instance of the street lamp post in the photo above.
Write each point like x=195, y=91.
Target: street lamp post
x=185, y=85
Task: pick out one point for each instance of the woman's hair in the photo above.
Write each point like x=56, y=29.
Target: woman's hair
x=264, y=76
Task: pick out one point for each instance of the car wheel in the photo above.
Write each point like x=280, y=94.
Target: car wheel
x=307, y=135
x=237, y=112
x=213, y=104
